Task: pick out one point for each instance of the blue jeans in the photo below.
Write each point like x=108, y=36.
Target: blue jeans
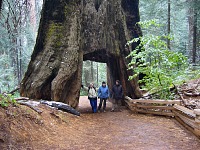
x=93, y=103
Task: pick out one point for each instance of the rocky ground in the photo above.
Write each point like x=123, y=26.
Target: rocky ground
x=21, y=128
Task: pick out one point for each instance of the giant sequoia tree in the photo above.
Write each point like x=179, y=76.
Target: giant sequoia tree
x=72, y=31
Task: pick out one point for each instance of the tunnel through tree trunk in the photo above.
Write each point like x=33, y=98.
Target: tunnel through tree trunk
x=72, y=31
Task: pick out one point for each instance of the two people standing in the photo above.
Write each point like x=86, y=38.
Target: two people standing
x=104, y=94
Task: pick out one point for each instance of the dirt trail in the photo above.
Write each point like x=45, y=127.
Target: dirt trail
x=123, y=130
x=100, y=131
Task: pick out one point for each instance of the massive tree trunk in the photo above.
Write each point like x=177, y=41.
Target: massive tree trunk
x=54, y=72
x=75, y=30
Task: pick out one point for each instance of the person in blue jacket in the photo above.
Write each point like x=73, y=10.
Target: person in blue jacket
x=103, y=94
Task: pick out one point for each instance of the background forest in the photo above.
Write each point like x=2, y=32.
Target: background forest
x=19, y=23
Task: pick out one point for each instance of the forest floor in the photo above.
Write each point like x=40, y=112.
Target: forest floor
x=190, y=92
x=21, y=128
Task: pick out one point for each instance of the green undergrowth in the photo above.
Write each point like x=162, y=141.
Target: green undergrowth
x=7, y=100
x=162, y=68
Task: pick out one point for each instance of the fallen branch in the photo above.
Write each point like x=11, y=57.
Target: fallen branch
x=30, y=106
x=181, y=96
x=191, y=94
x=187, y=90
x=21, y=98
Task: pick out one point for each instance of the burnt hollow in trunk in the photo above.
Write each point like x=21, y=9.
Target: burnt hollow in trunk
x=76, y=30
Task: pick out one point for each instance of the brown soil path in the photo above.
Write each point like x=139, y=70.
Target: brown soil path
x=55, y=130
x=123, y=130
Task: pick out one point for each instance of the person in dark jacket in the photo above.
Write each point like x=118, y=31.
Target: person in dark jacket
x=103, y=94
x=117, y=95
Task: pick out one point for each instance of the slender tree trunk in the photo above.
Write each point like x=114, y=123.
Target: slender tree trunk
x=192, y=18
x=97, y=74
x=169, y=23
x=14, y=56
x=0, y=5
x=86, y=77
x=191, y=24
x=194, y=42
x=17, y=60
x=87, y=74
x=20, y=60
x=92, y=71
x=33, y=14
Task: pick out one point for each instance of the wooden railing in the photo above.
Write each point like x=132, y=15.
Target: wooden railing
x=157, y=107
x=188, y=118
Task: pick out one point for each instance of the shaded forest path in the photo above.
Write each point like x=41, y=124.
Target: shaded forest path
x=123, y=130
x=22, y=128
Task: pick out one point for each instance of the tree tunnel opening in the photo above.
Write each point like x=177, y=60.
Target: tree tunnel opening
x=93, y=72
x=99, y=66
x=113, y=65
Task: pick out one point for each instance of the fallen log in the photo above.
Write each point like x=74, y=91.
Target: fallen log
x=30, y=105
x=21, y=98
x=61, y=106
